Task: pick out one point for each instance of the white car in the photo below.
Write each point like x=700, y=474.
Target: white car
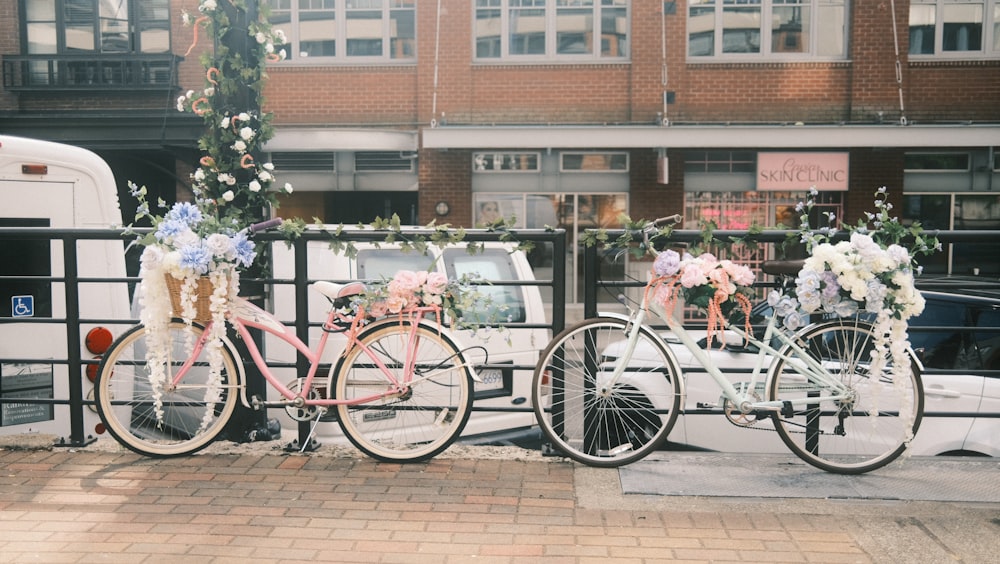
x=941, y=348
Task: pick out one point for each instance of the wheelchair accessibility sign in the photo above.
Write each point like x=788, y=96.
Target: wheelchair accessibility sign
x=22, y=306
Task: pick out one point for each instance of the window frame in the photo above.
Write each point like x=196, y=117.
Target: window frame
x=389, y=42
x=767, y=10
x=989, y=47
x=551, y=54
x=609, y=157
x=136, y=25
x=480, y=160
x=945, y=154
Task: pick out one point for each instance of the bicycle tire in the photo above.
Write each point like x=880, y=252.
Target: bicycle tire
x=124, y=398
x=851, y=437
x=423, y=420
x=620, y=425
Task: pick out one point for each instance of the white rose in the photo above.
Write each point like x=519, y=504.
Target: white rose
x=288, y=188
x=224, y=124
x=218, y=244
x=244, y=116
x=228, y=195
x=240, y=147
x=268, y=166
x=265, y=176
x=254, y=186
x=199, y=175
x=246, y=133
x=260, y=37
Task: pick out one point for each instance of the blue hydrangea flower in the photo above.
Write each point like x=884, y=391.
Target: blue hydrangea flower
x=243, y=249
x=170, y=228
x=185, y=212
x=196, y=258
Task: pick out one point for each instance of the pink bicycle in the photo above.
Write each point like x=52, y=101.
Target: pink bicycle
x=402, y=390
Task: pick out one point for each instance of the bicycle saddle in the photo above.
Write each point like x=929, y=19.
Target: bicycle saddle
x=334, y=291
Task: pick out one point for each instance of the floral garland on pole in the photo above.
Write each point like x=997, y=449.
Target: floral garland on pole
x=190, y=267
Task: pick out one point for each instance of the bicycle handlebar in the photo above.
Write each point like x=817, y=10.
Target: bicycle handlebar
x=264, y=225
x=668, y=220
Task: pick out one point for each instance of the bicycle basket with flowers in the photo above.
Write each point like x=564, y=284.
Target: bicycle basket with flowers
x=410, y=294
x=719, y=287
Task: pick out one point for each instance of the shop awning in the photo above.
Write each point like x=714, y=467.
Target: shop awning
x=710, y=136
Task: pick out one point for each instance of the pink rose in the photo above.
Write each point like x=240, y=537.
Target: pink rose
x=404, y=282
x=720, y=279
x=378, y=309
x=437, y=282
x=395, y=304
x=692, y=276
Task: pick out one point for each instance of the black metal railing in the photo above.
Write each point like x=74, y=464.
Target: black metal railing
x=70, y=281
x=593, y=285
x=90, y=72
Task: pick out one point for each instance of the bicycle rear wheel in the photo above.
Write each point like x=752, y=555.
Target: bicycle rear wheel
x=599, y=425
x=418, y=422
x=850, y=436
x=125, y=399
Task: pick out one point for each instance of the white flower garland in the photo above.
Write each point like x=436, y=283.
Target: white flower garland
x=154, y=297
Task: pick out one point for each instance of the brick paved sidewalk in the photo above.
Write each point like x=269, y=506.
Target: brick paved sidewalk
x=66, y=506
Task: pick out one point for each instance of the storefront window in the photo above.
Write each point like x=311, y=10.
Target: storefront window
x=572, y=212
x=739, y=211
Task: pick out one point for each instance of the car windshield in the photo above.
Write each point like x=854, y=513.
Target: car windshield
x=507, y=302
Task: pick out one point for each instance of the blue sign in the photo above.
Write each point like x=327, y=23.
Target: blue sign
x=22, y=306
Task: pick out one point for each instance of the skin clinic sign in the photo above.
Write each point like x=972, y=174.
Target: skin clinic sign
x=801, y=171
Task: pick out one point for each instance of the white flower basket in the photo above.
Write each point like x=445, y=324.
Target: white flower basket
x=202, y=297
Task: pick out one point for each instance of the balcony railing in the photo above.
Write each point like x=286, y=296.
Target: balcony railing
x=93, y=72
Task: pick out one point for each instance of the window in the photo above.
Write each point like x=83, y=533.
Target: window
x=594, y=162
x=547, y=30
x=346, y=30
x=955, y=28
x=741, y=29
x=513, y=162
x=574, y=212
x=383, y=161
x=936, y=162
x=720, y=161
x=92, y=26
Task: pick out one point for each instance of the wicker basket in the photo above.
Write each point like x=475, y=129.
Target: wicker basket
x=203, y=294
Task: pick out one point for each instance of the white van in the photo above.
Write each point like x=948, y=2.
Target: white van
x=44, y=184
x=504, y=389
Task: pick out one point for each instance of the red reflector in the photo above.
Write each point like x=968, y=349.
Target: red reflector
x=34, y=169
x=98, y=340
x=92, y=371
x=99, y=428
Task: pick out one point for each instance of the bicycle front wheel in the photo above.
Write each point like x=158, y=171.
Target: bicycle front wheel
x=596, y=421
x=871, y=422
x=193, y=412
x=421, y=419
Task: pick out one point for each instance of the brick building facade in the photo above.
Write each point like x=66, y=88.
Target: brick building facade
x=557, y=111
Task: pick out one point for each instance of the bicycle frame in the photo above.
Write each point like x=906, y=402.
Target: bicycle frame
x=808, y=366
x=245, y=316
